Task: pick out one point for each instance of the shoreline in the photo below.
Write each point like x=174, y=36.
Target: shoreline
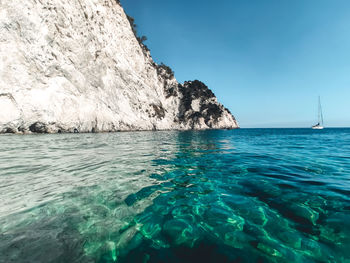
x=118, y=131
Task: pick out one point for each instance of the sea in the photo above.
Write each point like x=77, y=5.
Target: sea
x=245, y=195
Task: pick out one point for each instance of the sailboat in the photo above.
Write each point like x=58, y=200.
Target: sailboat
x=319, y=125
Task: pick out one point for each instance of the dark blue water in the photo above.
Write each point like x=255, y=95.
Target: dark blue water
x=248, y=195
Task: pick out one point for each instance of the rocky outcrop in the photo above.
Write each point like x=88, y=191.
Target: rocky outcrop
x=199, y=108
x=76, y=66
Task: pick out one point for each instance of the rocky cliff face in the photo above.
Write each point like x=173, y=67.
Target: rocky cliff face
x=76, y=66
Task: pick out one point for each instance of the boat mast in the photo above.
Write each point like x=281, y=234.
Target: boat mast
x=320, y=115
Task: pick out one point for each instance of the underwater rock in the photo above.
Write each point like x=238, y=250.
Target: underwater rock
x=305, y=212
x=150, y=230
x=236, y=239
x=179, y=232
x=128, y=240
x=311, y=247
x=269, y=250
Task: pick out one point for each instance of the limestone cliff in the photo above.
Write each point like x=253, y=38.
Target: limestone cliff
x=76, y=66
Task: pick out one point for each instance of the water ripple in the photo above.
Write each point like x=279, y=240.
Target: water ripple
x=254, y=195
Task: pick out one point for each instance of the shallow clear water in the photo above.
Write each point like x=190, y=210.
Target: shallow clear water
x=248, y=195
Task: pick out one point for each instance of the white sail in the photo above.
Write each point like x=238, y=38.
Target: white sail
x=319, y=125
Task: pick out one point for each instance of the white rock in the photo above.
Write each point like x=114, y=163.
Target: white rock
x=76, y=65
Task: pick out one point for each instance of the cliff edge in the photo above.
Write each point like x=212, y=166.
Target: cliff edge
x=77, y=66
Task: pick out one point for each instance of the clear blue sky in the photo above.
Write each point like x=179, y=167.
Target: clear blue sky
x=266, y=60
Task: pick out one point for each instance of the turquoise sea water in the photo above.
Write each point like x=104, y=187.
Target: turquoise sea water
x=248, y=195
